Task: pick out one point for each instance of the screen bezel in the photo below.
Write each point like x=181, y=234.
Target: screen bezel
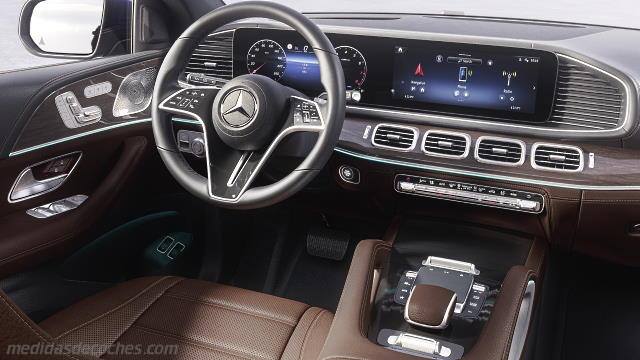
x=379, y=54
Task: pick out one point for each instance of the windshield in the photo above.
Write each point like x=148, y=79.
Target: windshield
x=618, y=13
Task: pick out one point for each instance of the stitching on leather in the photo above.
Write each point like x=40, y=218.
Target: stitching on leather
x=231, y=308
x=368, y=285
x=309, y=330
x=33, y=330
x=148, y=307
x=140, y=293
x=202, y=344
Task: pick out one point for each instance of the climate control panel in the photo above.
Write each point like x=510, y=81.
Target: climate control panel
x=470, y=193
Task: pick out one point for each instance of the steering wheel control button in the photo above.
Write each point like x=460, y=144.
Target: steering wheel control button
x=349, y=174
x=305, y=112
x=239, y=108
x=188, y=101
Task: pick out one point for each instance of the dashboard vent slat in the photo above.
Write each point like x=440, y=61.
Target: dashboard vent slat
x=394, y=137
x=587, y=97
x=500, y=151
x=213, y=57
x=557, y=157
x=446, y=144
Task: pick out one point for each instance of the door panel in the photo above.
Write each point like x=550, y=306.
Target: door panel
x=113, y=149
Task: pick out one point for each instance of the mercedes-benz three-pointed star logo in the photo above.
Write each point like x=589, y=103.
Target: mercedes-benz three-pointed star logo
x=238, y=107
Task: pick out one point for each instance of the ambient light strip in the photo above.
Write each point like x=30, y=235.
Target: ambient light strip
x=481, y=175
x=77, y=136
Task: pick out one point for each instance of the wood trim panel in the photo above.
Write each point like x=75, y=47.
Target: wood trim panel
x=614, y=166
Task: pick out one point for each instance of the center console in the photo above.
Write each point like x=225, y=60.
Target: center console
x=438, y=291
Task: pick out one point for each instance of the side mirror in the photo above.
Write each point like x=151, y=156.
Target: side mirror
x=62, y=28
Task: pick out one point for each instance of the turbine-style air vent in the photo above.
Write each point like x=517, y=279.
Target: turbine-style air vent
x=395, y=137
x=500, y=151
x=557, y=157
x=587, y=98
x=446, y=144
x=213, y=56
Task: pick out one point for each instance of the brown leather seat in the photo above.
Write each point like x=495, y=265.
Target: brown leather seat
x=201, y=320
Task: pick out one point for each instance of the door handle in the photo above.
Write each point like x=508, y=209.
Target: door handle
x=43, y=177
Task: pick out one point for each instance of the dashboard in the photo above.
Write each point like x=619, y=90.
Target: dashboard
x=492, y=82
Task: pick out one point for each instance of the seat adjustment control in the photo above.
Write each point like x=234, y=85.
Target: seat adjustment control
x=73, y=114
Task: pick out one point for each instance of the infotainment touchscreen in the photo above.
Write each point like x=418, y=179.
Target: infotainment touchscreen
x=479, y=79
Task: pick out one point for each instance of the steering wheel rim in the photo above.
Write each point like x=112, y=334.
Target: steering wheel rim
x=166, y=91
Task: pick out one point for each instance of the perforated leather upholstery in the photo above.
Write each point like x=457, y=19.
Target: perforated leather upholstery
x=201, y=320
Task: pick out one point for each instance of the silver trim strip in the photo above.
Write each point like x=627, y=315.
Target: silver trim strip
x=538, y=167
x=467, y=146
x=416, y=135
x=523, y=146
x=450, y=264
x=77, y=136
x=522, y=323
x=482, y=175
x=469, y=201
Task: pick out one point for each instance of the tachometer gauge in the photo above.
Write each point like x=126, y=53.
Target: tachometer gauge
x=266, y=57
x=354, y=66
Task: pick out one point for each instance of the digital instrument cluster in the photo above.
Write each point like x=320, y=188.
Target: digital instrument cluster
x=293, y=63
x=492, y=82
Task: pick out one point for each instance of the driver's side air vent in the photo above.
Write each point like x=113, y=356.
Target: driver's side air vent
x=213, y=56
x=446, y=144
x=396, y=137
x=500, y=151
x=557, y=157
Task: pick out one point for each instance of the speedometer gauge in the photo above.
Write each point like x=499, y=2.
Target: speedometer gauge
x=266, y=57
x=354, y=66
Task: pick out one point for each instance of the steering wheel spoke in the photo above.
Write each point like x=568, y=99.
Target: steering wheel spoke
x=194, y=103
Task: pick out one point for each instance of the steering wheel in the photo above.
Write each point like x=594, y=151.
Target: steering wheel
x=244, y=120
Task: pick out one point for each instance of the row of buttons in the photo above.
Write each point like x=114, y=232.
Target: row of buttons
x=475, y=299
x=404, y=287
x=187, y=100
x=204, y=79
x=305, y=112
x=510, y=199
x=174, y=251
x=57, y=207
x=73, y=114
